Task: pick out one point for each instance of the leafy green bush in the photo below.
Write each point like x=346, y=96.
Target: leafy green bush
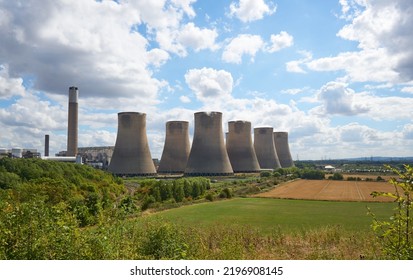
x=265, y=174
x=312, y=174
x=396, y=235
x=164, y=241
x=337, y=176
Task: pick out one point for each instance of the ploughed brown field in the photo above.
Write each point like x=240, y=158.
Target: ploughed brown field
x=330, y=190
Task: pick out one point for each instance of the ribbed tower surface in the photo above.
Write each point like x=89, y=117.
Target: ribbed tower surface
x=283, y=149
x=176, y=149
x=240, y=149
x=265, y=148
x=208, y=156
x=131, y=155
x=72, y=124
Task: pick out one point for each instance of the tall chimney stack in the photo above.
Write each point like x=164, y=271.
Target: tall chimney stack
x=46, y=145
x=72, y=126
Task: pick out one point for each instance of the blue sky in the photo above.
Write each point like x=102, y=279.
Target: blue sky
x=336, y=75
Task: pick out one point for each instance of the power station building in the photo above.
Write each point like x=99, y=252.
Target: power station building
x=131, y=155
x=176, y=148
x=208, y=156
x=265, y=148
x=240, y=149
x=283, y=149
x=72, y=125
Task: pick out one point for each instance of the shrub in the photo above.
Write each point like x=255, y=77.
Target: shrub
x=265, y=174
x=164, y=241
x=209, y=197
x=226, y=193
x=337, y=176
x=396, y=235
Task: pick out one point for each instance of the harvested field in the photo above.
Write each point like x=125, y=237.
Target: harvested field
x=330, y=190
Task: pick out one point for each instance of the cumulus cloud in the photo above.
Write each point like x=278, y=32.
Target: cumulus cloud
x=197, y=38
x=251, y=10
x=407, y=89
x=244, y=44
x=296, y=66
x=280, y=41
x=209, y=84
x=383, y=32
x=185, y=99
x=338, y=99
x=97, y=45
x=9, y=86
x=354, y=132
x=32, y=112
x=408, y=131
x=83, y=43
x=373, y=65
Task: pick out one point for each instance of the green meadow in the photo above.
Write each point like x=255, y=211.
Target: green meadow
x=267, y=214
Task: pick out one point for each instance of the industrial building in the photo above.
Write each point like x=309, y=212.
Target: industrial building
x=131, y=155
x=208, y=156
x=176, y=148
x=283, y=149
x=240, y=149
x=19, y=153
x=265, y=148
x=98, y=157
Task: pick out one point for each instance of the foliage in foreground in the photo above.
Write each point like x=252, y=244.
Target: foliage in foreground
x=396, y=234
x=45, y=238
x=82, y=191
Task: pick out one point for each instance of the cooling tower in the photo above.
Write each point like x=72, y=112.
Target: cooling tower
x=240, y=150
x=72, y=126
x=265, y=148
x=176, y=149
x=46, y=145
x=208, y=156
x=131, y=155
x=283, y=149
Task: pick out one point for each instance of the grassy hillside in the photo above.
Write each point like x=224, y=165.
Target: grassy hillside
x=52, y=210
x=269, y=214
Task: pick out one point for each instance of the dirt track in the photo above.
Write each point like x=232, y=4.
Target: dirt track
x=330, y=190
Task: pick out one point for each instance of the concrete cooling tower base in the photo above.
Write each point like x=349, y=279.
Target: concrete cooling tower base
x=131, y=155
x=176, y=149
x=240, y=149
x=208, y=156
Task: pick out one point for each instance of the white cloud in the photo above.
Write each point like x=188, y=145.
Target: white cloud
x=244, y=44
x=354, y=132
x=198, y=38
x=408, y=131
x=280, y=41
x=185, y=5
x=338, y=99
x=383, y=32
x=407, y=89
x=373, y=65
x=185, y=99
x=251, y=10
x=295, y=66
x=9, y=86
x=31, y=112
x=295, y=91
x=85, y=43
x=209, y=84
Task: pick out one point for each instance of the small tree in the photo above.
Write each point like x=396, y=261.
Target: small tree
x=396, y=235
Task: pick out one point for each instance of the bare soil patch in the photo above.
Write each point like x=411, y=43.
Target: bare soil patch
x=330, y=190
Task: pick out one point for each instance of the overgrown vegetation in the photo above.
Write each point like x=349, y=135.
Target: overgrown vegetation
x=55, y=210
x=396, y=234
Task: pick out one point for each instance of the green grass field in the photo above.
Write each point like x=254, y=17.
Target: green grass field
x=287, y=215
